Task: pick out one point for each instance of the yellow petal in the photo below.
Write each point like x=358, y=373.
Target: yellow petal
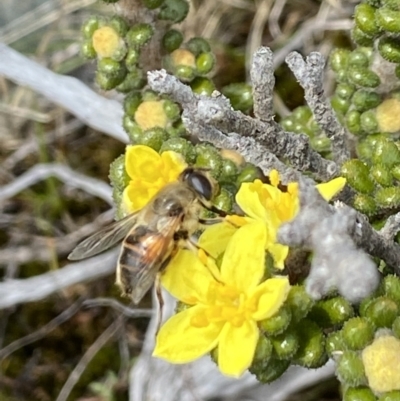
x=249, y=201
x=142, y=161
x=215, y=238
x=329, y=189
x=186, y=278
x=236, y=348
x=135, y=198
x=243, y=262
x=179, y=341
x=269, y=297
x=279, y=254
x=173, y=165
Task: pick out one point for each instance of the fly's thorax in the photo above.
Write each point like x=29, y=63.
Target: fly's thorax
x=173, y=200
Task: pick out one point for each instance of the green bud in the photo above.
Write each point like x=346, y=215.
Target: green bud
x=388, y=20
x=361, y=38
x=108, y=82
x=149, y=95
x=181, y=146
x=321, y=144
x=334, y=343
x=311, y=350
x=299, y=302
x=205, y=63
x=389, y=48
x=344, y=91
x=249, y=173
x=117, y=199
x=269, y=372
x=350, y=369
x=331, y=312
x=359, y=394
x=388, y=197
x=381, y=174
x=132, y=59
x=287, y=123
x=87, y=49
x=90, y=26
x=172, y=110
x=338, y=59
x=119, y=25
x=209, y=157
x=152, y=4
x=365, y=19
x=224, y=200
x=339, y=104
x=176, y=130
x=353, y=122
x=302, y=114
x=111, y=68
x=395, y=171
x=277, y=323
x=229, y=170
x=139, y=35
x=110, y=1
x=184, y=72
x=131, y=103
x=390, y=396
x=382, y=312
x=357, y=333
x=368, y=122
x=263, y=350
x=357, y=174
x=341, y=76
x=285, y=344
x=172, y=40
x=386, y=153
x=134, y=80
x=358, y=58
x=198, y=45
x=240, y=96
x=391, y=287
x=391, y=4
x=202, y=86
x=132, y=129
x=363, y=77
x=153, y=137
x=365, y=204
x=174, y=10
x=118, y=175
x=363, y=100
x=396, y=327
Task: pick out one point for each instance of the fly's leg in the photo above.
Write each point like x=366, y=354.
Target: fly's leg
x=160, y=300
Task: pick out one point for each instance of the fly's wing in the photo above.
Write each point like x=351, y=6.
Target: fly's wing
x=104, y=239
x=144, y=254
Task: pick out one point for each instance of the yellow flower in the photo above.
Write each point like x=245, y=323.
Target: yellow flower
x=225, y=304
x=149, y=172
x=382, y=364
x=266, y=203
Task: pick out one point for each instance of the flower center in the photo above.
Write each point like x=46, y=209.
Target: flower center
x=229, y=305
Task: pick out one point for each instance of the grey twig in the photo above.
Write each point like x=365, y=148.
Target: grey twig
x=15, y=292
x=113, y=303
x=96, y=111
x=332, y=236
x=70, y=177
x=391, y=227
x=310, y=73
x=217, y=112
x=263, y=80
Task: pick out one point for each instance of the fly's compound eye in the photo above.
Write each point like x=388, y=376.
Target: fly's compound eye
x=200, y=183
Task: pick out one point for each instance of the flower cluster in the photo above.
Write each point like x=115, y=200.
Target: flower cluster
x=227, y=290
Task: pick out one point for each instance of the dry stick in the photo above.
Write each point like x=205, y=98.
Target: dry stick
x=218, y=112
x=43, y=331
x=125, y=310
x=98, y=112
x=14, y=292
x=75, y=375
x=70, y=177
x=391, y=227
x=310, y=74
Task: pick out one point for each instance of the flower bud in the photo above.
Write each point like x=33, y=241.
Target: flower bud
x=350, y=369
x=365, y=19
x=388, y=20
x=389, y=49
x=359, y=393
x=139, y=35
x=202, y=86
x=299, y=302
x=240, y=96
x=388, y=197
x=331, y=312
x=357, y=174
x=363, y=77
x=381, y=174
x=357, y=333
x=174, y=10
x=382, y=312
x=181, y=146
x=277, y=323
x=172, y=40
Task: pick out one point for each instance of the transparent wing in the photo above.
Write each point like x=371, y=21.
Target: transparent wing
x=104, y=239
